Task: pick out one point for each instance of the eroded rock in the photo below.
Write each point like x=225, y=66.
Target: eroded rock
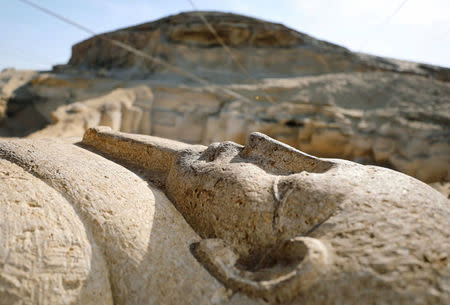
x=325, y=115
x=265, y=221
x=47, y=256
x=77, y=228
x=122, y=109
x=258, y=197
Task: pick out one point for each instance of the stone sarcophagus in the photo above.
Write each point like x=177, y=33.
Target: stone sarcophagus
x=131, y=219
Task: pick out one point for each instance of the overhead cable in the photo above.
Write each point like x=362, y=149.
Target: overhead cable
x=134, y=50
x=386, y=21
x=227, y=49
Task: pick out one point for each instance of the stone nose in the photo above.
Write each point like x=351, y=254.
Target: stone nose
x=280, y=159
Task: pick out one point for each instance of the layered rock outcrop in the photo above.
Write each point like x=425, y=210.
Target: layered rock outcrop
x=265, y=49
x=77, y=228
x=314, y=95
x=378, y=118
x=85, y=224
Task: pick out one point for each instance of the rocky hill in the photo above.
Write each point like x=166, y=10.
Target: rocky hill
x=311, y=94
x=265, y=49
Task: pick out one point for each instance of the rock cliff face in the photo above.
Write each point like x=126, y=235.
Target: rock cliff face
x=265, y=49
x=311, y=94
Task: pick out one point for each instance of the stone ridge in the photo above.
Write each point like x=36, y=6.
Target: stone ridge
x=234, y=29
x=265, y=49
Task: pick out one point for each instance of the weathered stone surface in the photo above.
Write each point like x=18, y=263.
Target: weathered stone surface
x=14, y=98
x=255, y=224
x=46, y=255
x=12, y=79
x=295, y=194
x=379, y=118
x=118, y=109
x=32, y=97
x=79, y=229
x=265, y=220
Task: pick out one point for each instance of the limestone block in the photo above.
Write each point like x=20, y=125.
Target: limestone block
x=371, y=233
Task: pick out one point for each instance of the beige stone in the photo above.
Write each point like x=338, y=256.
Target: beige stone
x=377, y=234
x=114, y=109
x=131, y=119
x=119, y=238
x=409, y=135
x=47, y=256
x=195, y=115
x=245, y=225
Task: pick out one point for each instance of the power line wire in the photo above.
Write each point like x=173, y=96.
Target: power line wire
x=387, y=20
x=227, y=49
x=134, y=50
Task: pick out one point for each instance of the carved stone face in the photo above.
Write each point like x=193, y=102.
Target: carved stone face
x=250, y=199
x=279, y=224
x=256, y=199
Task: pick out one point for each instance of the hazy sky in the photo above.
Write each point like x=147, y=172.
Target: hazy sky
x=420, y=31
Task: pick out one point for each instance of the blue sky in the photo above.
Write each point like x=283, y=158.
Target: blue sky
x=420, y=31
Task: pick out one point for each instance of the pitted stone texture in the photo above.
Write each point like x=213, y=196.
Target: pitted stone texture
x=385, y=230
x=132, y=245
x=46, y=254
x=385, y=238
